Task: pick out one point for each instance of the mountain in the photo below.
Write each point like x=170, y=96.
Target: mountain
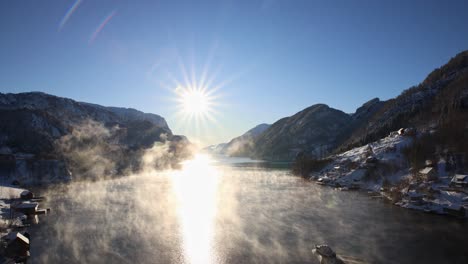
x=243, y=145
x=239, y=146
x=216, y=149
x=48, y=127
x=130, y=114
x=440, y=100
x=312, y=130
x=35, y=118
x=256, y=131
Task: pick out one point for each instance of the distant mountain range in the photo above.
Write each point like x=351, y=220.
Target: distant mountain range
x=31, y=122
x=320, y=130
x=48, y=136
x=240, y=146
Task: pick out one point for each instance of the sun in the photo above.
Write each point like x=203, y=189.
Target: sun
x=194, y=101
x=196, y=96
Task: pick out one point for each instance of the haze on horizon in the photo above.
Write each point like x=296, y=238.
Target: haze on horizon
x=257, y=61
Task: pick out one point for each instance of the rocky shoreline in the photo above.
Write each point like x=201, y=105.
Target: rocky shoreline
x=381, y=169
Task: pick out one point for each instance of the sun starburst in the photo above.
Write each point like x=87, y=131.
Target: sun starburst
x=194, y=101
x=197, y=94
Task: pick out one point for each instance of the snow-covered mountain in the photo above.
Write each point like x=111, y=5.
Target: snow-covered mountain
x=320, y=130
x=440, y=98
x=31, y=120
x=73, y=111
x=241, y=145
x=256, y=131
x=216, y=149
x=48, y=127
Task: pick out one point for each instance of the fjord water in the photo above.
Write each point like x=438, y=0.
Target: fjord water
x=233, y=211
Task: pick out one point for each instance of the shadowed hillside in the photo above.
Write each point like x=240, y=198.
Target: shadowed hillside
x=91, y=140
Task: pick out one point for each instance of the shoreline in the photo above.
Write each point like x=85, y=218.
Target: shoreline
x=381, y=169
x=19, y=210
x=406, y=204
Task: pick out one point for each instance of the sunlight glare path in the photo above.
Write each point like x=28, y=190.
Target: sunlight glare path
x=195, y=188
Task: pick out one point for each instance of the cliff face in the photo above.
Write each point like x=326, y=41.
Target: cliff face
x=72, y=133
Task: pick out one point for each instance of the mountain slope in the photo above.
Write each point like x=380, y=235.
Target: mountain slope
x=85, y=136
x=244, y=144
x=240, y=146
x=442, y=96
x=49, y=117
x=312, y=130
x=440, y=100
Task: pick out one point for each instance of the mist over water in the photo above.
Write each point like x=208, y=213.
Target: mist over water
x=223, y=212
x=128, y=220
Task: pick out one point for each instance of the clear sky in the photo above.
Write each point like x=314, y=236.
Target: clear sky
x=265, y=59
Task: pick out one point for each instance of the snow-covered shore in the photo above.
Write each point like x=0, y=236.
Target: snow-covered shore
x=14, y=243
x=381, y=168
x=7, y=193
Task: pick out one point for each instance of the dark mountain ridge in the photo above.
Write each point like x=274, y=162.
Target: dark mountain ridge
x=49, y=127
x=318, y=127
x=319, y=130
x=442, y=96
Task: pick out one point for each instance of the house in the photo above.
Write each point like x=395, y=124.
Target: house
x=18, y=245
x=27, y=208
x=428, y=173
x=459, y=180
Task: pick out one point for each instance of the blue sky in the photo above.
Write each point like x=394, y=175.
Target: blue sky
x=270, y=59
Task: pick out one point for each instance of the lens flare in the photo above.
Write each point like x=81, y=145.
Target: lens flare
x=69, y=13
x=101, y=26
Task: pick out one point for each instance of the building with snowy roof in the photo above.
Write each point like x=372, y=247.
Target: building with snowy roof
x=459, y=180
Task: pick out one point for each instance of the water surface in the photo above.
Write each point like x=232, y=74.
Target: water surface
x=234, y=211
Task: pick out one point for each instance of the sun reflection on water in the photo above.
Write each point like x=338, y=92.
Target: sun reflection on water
x=195, y=187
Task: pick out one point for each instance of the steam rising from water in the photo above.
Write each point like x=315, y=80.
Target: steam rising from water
x=93, y=151
x=86, y=149
x=212, y=213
